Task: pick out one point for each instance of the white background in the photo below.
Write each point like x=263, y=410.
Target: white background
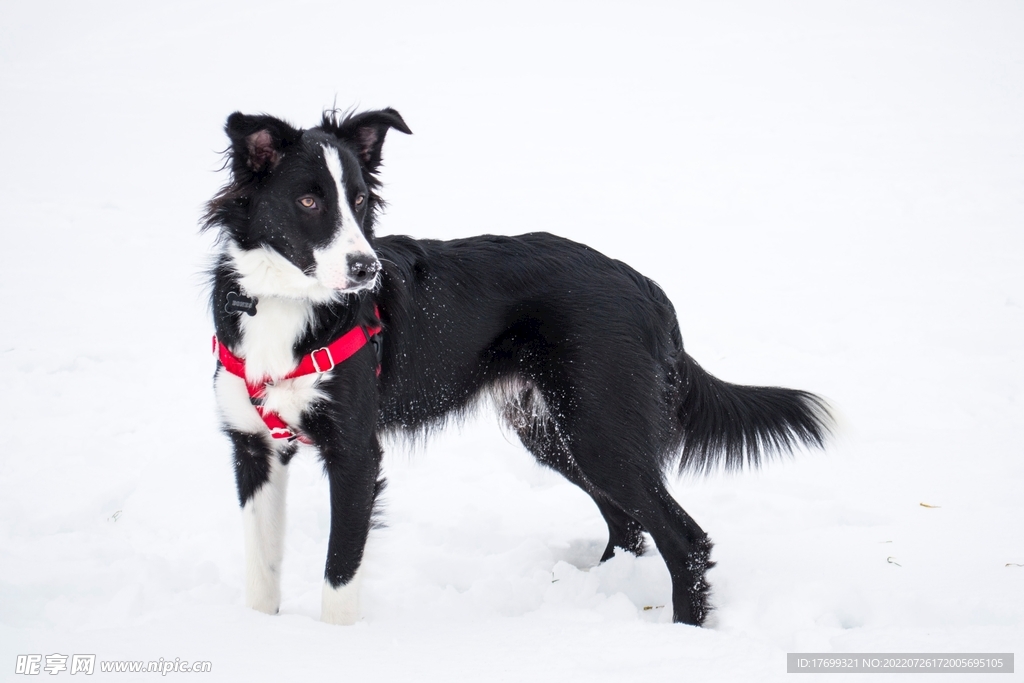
x=832, y=193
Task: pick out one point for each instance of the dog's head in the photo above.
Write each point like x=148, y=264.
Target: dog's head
x=298, y=214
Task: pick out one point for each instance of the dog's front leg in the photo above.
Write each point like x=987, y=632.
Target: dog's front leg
x=262, y=477
x=353, y=478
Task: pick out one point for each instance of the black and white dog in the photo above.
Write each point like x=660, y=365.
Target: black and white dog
x=329, y=335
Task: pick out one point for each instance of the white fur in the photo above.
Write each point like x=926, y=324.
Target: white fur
x=268, y=338
x=263, y=522
x=332, y=260
x=236, y=411
x=292, y=397
x=341, y=605
x=263, y=272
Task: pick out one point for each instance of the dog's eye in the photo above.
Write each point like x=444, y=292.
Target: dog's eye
x=360, y=199
x=307, y=202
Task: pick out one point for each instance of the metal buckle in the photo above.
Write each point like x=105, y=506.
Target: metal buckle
x=281, y=433
x=316, y=366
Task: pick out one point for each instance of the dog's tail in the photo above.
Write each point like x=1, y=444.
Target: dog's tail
x=734, y=425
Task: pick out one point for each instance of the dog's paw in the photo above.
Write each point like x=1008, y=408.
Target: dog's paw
x=263, y=592
x=264, y=601
x=340, y=605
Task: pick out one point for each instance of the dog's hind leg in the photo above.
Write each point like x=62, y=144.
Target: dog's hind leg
x=686, y=549
x=526, y=415
x=615, y=443
x=684, y=546
x=261, y=474
x=623, y=531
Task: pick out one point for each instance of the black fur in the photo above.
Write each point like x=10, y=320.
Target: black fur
x=585, y=352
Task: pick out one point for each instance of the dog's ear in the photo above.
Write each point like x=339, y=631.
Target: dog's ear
x=257, y=142
x=365, y=132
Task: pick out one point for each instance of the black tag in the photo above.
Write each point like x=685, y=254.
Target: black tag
x=238, y=303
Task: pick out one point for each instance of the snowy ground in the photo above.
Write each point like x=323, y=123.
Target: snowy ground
x=832, y=193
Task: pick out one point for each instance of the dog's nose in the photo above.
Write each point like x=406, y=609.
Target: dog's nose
x=362, y=269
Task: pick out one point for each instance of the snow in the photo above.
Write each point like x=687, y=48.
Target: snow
x=832, y=194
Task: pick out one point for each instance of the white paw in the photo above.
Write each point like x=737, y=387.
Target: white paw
x=341, y=605
x=266, y=603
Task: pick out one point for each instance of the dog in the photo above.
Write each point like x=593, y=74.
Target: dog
x=329, y=335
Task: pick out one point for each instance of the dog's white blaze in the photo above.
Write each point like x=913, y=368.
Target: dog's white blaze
x=263, y=522
x=332, y=260
x=341, y=605
x=263, y=272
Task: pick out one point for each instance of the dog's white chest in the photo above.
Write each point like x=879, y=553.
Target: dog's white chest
x=268, y=339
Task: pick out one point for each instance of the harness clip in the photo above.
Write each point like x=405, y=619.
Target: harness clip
x=316, y=364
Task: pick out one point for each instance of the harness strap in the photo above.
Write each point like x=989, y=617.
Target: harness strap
x=318, y=362
x=341, y=349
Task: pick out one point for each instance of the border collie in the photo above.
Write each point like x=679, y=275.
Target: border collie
x=329, y=335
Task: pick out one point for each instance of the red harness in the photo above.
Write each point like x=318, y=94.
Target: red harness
x=318, y=362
